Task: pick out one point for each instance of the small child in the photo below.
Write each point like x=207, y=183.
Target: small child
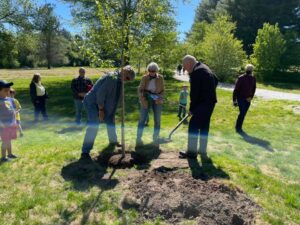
x=17, y=107
x=183, y=102
x=8, y=129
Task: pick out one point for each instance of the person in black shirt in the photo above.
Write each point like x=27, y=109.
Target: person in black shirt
x=80, y=86
x=202, y=102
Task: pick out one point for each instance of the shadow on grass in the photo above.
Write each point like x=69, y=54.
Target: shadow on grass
x=206, y=171
x=70, y=129
x=257, y=141
x=85, y=174
x=145, y=154
x=88, y=173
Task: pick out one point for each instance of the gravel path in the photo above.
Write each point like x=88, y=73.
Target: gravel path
x=267, y=94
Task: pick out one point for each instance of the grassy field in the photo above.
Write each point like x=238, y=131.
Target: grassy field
x=35, y=188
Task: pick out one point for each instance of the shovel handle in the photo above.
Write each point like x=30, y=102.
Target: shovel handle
x=178, y=125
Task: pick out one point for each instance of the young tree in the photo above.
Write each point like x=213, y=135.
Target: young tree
x=221, y=50
x=268, y=49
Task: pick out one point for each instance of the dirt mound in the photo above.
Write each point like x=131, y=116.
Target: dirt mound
x=176, y=196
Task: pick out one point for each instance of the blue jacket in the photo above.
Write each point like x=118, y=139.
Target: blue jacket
x=106, y=92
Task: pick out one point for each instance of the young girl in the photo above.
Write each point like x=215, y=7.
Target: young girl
x=17, y=107
x=8, y=129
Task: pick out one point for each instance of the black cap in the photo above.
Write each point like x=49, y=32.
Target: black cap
x=5, y=84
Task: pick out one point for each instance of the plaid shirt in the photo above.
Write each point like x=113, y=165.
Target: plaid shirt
x=80, y=84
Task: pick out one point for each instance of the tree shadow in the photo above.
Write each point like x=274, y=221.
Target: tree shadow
x=144, y=155
x=85, y=174
x=257, y=141
x=206, y=170
x=88, y=173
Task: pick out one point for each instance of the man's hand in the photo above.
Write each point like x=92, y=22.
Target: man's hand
x=249, y=99
x=101, y=115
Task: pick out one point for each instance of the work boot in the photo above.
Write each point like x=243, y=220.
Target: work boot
x=85, y=157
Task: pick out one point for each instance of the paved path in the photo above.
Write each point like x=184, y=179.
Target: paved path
x=267, y=94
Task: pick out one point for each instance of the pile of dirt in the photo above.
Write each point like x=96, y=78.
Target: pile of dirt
x=175, y=196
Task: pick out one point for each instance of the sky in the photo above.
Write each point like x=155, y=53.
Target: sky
x=185, y=13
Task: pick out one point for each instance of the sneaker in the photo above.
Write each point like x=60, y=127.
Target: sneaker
x=186, y=154
x=85, y=156
x=12, y=156
x=4, y=160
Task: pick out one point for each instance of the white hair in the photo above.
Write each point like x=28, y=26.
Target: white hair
x=189, y=58
x=82, y=69
x=153, y=67
x=129, y=70
x=249, y=68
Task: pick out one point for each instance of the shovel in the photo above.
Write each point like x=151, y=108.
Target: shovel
x=167, y=140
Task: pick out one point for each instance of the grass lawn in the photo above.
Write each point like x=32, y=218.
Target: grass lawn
x=35, y=190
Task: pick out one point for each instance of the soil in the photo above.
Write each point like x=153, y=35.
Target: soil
x=175, y=196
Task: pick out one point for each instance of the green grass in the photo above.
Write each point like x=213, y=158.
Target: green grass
x=36, y=189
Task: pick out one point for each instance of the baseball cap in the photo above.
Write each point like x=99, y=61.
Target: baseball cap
x=5, y=84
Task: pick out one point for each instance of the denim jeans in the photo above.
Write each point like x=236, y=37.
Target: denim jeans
x=78, y=110
x=93, y=126
x=199, y=123
x=243, y=107
x=144, y=113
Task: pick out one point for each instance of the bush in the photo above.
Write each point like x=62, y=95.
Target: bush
x=268, y=49
x=221, y=50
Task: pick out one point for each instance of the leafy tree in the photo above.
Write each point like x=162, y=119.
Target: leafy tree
x=53, y=46
x=251, y=15
x=196, y=37
x=8, y=56
x=15, y=13
x=268, y=49
x=221, y=50
x=205, y=11
x=27, y=44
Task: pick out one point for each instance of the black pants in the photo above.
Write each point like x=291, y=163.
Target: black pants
x=181, y=111
x=40, y=107
x=243, y=107
x=199, y=124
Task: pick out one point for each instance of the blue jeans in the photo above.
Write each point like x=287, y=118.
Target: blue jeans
x=243, y=107
x=93, y=126
x=199, y=124
x=78, y=110
x=144, y=114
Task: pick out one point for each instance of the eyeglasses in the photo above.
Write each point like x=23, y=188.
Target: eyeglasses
x=151, y=71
